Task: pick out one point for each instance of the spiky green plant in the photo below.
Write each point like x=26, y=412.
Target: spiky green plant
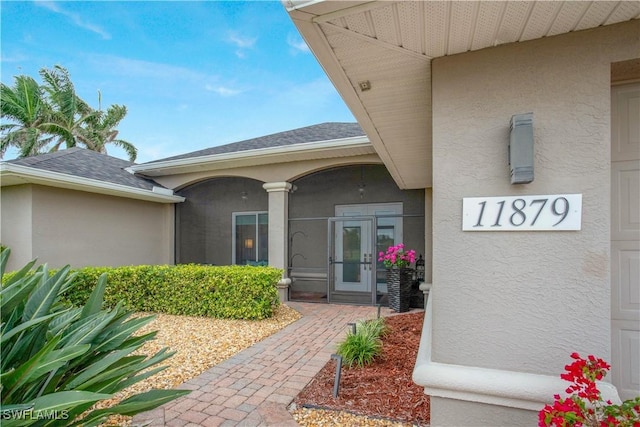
x=58, y=360
x=363, y=346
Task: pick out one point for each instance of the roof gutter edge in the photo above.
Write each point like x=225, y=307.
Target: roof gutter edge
x=358, y=141
x=63, y=180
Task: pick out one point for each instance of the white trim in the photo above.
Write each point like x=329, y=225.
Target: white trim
x=277, y=186
x=483, y=385
x=12, y=174
x=233, y=231
x=298, y=4
x=308, y=148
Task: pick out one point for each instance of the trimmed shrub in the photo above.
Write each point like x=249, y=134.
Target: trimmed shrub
x=57, y=360
x=232, y=292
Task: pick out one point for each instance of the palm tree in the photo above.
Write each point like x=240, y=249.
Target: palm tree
x=69, y=112
x=46, y=117
x=100, y=130
x=25, y=105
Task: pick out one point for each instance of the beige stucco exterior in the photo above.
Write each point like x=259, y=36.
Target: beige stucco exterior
x=60, y=226
x=275, y=172
x=522, y=301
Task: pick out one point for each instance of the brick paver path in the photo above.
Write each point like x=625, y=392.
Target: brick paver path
x=254, y=387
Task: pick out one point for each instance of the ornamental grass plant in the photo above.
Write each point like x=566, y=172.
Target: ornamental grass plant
x=363, y=346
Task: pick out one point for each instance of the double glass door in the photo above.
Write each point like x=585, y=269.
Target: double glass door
x=356, y=235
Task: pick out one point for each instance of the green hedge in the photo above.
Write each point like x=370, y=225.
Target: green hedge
x=232, y=292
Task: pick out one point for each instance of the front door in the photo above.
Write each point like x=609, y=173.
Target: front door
x=358, y=233
x=625, y=240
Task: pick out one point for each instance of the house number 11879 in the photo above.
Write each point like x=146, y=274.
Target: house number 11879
x=515, y=213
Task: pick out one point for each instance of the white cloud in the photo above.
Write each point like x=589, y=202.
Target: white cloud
x=222, y=91
x=297, y=44
x=16, y=57
x=241, y=42
x=146, y=69
x=75, y=18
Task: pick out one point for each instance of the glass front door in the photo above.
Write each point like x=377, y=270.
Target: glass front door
x=351, y=262
x=357, y=234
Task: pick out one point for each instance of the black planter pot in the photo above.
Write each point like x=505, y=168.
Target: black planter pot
x=399, y=289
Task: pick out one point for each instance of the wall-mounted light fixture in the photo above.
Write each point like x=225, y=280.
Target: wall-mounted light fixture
x=248, y=243
x=361, y=189
x=244, y=195
x=521, y=148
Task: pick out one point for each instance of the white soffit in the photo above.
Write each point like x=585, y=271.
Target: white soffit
x=391, y=45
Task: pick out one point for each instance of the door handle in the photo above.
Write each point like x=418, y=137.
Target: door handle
x=368, y=261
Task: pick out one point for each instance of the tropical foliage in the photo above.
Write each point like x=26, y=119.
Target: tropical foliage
x=46, y=117
x=58, y=360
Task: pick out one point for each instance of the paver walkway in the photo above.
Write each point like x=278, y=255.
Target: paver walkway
x=254, y=387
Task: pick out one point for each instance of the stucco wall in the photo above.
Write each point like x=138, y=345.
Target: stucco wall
x=15, y=226
x=81, y=229
x=204, y=219
x=274, y=172
x=523, y=301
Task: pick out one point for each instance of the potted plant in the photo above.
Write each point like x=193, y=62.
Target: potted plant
x=397, y=261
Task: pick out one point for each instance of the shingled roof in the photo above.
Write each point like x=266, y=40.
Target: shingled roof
x=87, y=164
x=321, y=132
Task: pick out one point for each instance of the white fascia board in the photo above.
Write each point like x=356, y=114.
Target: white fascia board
x=28, y=175
x=484, y=385
x=308, y=148
x=298, y=4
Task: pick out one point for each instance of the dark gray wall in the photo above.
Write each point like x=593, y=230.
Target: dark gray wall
x=204, y=219
x=317, y=195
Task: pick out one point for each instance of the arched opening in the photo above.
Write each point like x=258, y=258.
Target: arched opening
x=222, y=221
x=332, y=256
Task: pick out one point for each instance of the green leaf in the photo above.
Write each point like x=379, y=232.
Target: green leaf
x=66, y=399
x=18, y=275
x=88, y=329
x=94, y=304
x=92, y=371
x=135, y=404
x=13, y=294
x=57, y=358
x=24, y=326
x=41, y=300
x=112, y=338
x=15, y=378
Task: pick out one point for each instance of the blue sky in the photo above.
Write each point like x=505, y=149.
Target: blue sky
x=193, y=74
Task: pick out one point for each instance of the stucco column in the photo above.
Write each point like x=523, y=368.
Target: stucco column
x=278, y=231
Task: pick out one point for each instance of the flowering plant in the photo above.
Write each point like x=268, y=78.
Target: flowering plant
x=585, y=406
x=396, y=256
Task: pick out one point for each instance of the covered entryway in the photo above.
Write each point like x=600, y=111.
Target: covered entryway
x=625, y=239
x=339, y=220
x=356, y=235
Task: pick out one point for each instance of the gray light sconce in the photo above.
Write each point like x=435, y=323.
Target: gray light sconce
x=521, y=148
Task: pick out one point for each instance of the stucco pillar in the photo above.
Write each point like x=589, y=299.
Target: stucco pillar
x=278, y=231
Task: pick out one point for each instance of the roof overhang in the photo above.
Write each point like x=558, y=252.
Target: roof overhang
x=11, y=174
x=388, y=47
x=355, y=146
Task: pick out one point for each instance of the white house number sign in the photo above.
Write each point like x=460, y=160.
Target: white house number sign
x=522, y=213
